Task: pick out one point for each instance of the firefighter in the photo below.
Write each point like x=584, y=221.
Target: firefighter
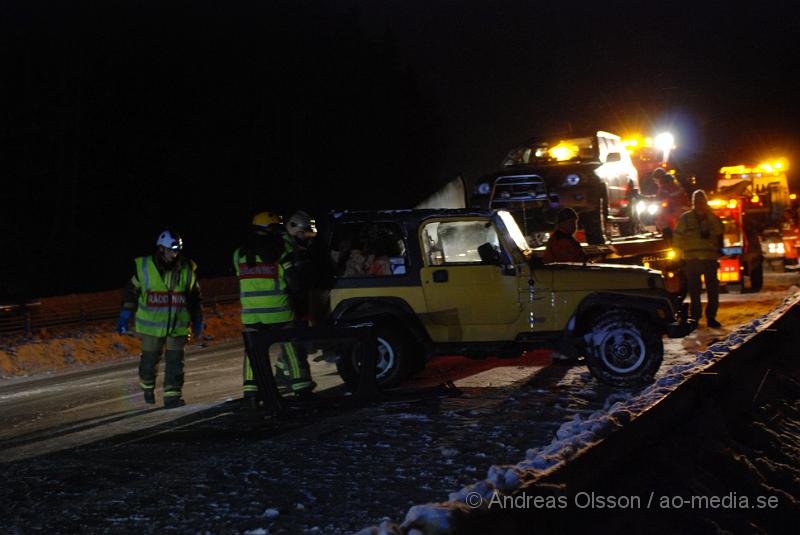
x=562, y=245
x=299, y=236
x=267, y=276
x=165, y=296
x=698, y=239
x=672, y=199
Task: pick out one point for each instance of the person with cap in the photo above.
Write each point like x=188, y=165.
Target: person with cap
x=165, y=297
x=267, y=278
x=698, y=241
x=562, y=245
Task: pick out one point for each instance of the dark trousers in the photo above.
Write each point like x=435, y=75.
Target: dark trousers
x=257, y=366
x=708, y=269
x=174, y=357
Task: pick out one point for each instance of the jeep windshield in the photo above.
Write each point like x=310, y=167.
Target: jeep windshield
x=554, y=151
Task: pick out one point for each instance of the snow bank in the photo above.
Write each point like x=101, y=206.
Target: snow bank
x=581, y=432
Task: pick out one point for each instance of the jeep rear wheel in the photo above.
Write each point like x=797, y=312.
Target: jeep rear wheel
x=393, y=358
x=624, y=349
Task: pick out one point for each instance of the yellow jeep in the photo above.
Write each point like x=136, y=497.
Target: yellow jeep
x=465, y=282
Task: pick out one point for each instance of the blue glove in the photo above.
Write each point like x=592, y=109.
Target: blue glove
x=124, y=319
x=197, y=327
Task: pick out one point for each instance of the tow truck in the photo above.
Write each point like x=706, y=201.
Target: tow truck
x=750, y=200
x=741, y=247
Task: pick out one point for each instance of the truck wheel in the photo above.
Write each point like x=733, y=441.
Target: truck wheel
x=624, y=349
x=633, y=226
x=393, y=358
x=594, y=224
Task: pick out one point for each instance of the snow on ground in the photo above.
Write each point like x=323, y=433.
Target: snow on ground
x=339, y=473
x=71, y=347
x=582, y=431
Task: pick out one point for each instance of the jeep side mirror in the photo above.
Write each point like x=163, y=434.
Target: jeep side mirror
x=488, y=253
x=613, y=157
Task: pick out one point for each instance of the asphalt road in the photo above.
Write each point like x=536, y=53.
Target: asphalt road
x=49, y=413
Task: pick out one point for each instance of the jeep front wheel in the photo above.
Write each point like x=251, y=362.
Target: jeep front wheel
x=624, y=349
x=393, y=359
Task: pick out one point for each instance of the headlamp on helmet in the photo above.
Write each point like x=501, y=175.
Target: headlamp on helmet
x=170, y=240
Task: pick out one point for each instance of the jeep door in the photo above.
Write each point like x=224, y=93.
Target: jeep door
x=471, y=288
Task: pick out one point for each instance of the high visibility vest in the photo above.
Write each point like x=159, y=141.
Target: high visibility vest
x=162, y=309
x=262, y=290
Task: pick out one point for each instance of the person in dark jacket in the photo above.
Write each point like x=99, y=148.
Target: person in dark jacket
x=562, y=245
x=165, y=295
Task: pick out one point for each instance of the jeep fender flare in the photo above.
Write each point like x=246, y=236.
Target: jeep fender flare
x=392, y=308
x=601, y=301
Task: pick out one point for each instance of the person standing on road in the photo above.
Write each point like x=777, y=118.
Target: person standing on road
x=165, y=296
x=562, y=245
x=292, y=371
x=267, y=277
x=698, y=239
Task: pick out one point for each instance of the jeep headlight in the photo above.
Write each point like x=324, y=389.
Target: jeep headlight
x=572, y=180
x=484, y=188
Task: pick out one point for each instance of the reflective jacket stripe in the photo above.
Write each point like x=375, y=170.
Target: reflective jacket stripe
x=262, y=290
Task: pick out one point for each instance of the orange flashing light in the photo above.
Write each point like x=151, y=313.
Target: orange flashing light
x=793, y=196
x=732, y=204
x=754, y=199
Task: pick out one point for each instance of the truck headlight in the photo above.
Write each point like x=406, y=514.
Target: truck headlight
x=572, y=180
x=641, y=206
x=484, y=188
x=652, y=209
x=781, y=249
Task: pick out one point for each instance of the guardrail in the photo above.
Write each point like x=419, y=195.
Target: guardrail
x=81, y=309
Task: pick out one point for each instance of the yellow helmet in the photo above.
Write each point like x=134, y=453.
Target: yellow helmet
x=265, y=219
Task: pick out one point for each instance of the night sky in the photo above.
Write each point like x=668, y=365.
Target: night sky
x=120, y=118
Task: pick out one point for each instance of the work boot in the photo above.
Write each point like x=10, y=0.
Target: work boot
x=714, y=324
x=174, y=402
x=249, y=403
x=149, y=397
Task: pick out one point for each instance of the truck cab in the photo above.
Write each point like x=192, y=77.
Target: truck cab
x=591, y=173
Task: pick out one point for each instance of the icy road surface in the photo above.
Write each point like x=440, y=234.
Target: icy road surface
x=327, y=472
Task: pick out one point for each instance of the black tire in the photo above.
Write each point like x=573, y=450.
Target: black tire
x=625, y=349
x=594, y=224
x=395, y=358
x=633, y=226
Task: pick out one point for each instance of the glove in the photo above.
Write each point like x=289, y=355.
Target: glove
x=124, y=319
x=197, y=327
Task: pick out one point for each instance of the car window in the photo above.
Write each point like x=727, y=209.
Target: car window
x=457, y=242
x=369, y=249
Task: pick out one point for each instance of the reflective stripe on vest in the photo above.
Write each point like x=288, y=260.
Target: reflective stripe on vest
x=262, y=291
x=162, y=310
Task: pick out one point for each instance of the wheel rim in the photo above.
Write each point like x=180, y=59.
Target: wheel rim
x=385, y=359
x=622, y=350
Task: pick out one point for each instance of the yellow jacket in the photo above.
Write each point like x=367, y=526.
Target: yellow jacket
x=698, y=238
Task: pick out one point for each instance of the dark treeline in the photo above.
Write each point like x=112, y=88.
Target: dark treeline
x=119, y=119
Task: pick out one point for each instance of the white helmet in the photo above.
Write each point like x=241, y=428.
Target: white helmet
x=170, y=240
x=301, y=226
